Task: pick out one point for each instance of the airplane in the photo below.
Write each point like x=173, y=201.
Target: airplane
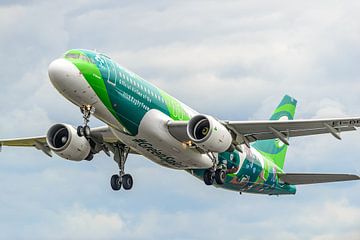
x=140, y=118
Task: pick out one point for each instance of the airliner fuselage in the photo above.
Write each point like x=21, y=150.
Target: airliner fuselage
x=140, y=118
x=138, y=112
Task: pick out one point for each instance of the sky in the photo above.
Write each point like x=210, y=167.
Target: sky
x=231, y=59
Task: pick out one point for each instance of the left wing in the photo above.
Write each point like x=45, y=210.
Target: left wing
x=37, y=142
x=311, y=178
x=101, y=135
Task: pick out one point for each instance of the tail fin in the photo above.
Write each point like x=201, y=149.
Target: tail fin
x=275, y=149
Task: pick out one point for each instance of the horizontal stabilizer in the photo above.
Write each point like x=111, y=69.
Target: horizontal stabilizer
x=311, y=178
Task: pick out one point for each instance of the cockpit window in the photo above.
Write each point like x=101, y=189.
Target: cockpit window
x=78, y=56
x=85, y=58
x=72, y=55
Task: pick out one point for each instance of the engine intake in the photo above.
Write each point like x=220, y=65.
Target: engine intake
x=209, y=134
x=64, y=141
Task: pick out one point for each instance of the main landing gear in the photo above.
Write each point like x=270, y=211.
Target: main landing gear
x=125, y=180
x=215, y=174
x=84, y=130
x=211, y=176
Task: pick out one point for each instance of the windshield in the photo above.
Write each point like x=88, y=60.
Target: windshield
x=78, y=56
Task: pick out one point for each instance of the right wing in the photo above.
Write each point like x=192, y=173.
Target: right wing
x=270, y=129
x=311, y=178
x=251, y=131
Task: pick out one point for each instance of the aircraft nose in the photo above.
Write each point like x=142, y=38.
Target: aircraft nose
x=70, y=82
x=61, y=73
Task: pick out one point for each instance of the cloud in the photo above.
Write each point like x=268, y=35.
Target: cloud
x=234, y=60
x=79, y=222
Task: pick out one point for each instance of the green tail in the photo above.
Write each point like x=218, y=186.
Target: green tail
x=274, y=149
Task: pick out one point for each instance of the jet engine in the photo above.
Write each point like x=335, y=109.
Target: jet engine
x=208, y=133
x=64, y=141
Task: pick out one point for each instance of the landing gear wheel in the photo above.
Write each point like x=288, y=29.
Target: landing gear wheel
x=209, y=177
x=115, y=182
x=86, y=131
x=127, y=181
x=220, y=176
x=80, y=131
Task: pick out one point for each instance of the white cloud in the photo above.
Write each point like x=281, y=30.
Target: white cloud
x=312, y=222
x=80, y=223
x=231, y=59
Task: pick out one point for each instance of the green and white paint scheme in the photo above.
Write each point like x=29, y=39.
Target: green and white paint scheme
x=138, y=114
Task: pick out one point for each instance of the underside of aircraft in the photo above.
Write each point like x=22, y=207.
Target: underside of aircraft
x=140, y=118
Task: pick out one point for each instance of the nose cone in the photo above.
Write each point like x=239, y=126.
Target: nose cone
x=70, y=82
x=62, y=73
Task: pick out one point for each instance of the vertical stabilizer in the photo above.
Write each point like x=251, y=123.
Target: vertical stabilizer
x=275, y=149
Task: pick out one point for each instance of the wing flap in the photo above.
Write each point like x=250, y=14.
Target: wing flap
x=312, y=178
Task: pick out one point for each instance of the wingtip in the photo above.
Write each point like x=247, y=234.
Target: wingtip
x=354, y=176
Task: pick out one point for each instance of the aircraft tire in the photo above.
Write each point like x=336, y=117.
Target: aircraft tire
x=87, y=131
x=80, y=131
x=209, y=177
x=115, y=182
x=220, y=176
x=127, y=181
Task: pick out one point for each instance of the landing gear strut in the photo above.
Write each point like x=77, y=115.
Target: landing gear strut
x=125, y=180
x=84, y=130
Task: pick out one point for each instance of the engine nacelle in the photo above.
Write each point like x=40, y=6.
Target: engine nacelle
x=209, y=134
x=64, y=141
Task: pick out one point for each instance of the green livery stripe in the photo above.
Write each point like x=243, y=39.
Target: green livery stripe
x=93, y=77
x=126, y=95
x=289, y=108
x=175, y=108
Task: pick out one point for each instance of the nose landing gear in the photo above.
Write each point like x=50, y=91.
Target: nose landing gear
x=121, y=152
x=84, y=130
